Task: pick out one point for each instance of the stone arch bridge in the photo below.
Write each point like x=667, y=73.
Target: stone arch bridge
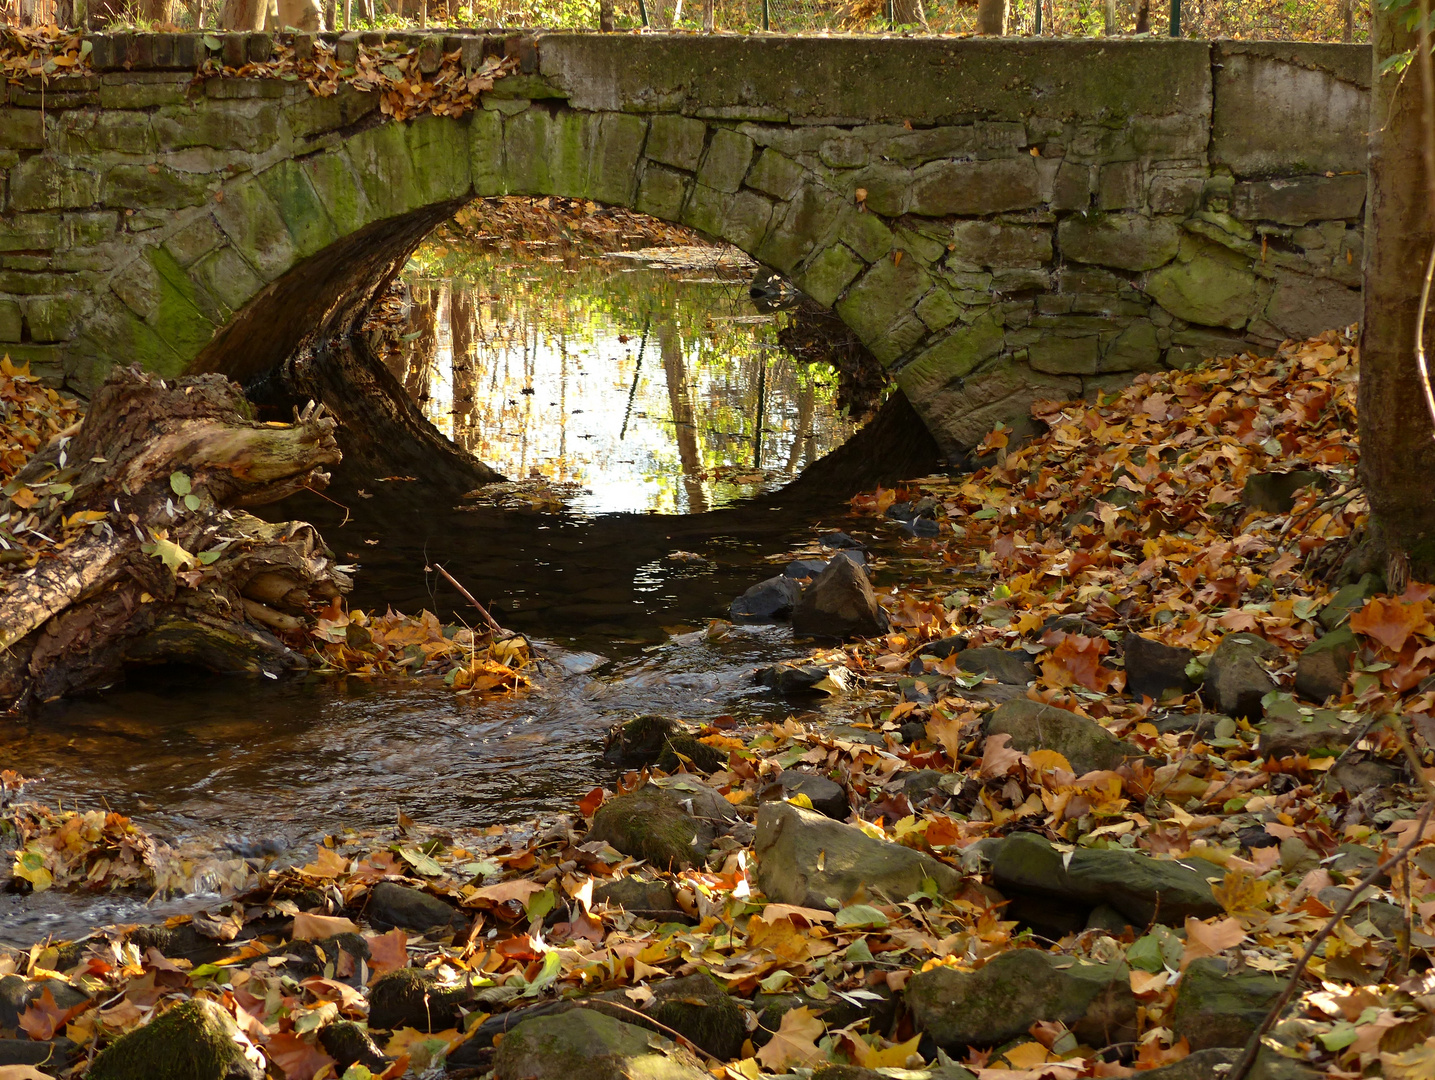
x=999, y=220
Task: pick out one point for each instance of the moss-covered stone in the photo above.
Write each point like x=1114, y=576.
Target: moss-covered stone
x=651, y=824
x=348, y=1044
x=1034, y=726
x=997, y=244
x=412, y=997
x=1123, y=241
x=705, y=757
x=639, y=741
x=1001, y=1000
x=827, y=276
x=1218, y=1007
x=701, y=1011
x=196, y=1040
x=872, y=306
x=676, y=141
x=1207, y=285
x=586, y=1043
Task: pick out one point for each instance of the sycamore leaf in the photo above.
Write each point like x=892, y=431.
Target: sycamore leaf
x=893, y=1057
x=44, y=1017
x=795, y=1042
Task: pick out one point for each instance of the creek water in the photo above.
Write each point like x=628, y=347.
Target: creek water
x=661, y=407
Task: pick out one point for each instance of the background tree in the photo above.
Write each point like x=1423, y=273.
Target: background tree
x=992, y=16
x=1397, y=445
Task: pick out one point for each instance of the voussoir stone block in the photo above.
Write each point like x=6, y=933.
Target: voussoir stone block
x=776, y=175
x=884, y=294
x=1124, y=241
x=975, y=188
x=662, y=193
x=676, y=141
x=827, y=276
x=252, y=221
x=308, y=222
x=726, y=162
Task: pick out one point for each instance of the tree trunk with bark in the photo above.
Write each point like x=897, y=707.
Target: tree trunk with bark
x=243, y=15
x=149, y=555
x=1397, y=445
x=1143, y=17
x=909, y=13
x=992, y=17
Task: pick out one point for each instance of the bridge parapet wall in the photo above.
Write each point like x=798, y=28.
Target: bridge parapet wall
x=999, y=220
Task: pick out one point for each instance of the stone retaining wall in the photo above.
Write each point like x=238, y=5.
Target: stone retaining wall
x=999, y=220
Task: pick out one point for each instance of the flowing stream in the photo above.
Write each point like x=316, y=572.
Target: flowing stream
x=648, y=410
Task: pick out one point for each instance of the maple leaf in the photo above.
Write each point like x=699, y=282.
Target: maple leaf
x=1389, y=621
x=299, y=1059
x=387, y=952
x=795, y=1042
x=1210, y=938
x=44, y=1017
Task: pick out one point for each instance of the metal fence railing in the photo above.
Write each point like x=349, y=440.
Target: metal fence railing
x=1294, y=20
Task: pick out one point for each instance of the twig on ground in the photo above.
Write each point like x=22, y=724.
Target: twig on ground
x=1243, y=1065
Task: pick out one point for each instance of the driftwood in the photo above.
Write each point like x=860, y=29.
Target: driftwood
x=146, y=554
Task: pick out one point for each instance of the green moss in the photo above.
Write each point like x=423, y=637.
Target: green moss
x=698, y=1008
x=179, y=318
x=648, y=824
x=410, y=997
x=705, y=757
x=193, y=1041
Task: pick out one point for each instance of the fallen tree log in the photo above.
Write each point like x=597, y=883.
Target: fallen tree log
x=128, y=540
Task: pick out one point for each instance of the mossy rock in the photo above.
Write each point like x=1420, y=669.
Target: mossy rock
x=193, y=1041
x=411, y=997
x=585, y=1043
x=705, y=757
x=638, y=742
x=856, y=1072
x=701, y=1011
x=1218, y=1007
x=651, y=824
x=348, y=1044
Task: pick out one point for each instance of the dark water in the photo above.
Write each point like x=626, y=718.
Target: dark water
x=204, y=762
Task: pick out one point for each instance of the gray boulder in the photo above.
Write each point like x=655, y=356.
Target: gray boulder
x=393, y=905
x=1218, y=1007
x=767, y=601
x=1001, y=1000
x=635, y=894
x=1140, y=887
x=1236, y=680
x=701, y=1011
x=827, y=796
x=1152, y=668
x=1004, y=665
x=412, y=997
x=17, y=992
x=839, y=603
x=1290, y=729
x=1034, y=726
x=586, y=1043
x=807, y=859
x=652, y=824
x=1212, y=1064
x=1325, y=664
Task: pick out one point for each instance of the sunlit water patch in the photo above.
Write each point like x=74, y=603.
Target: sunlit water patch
x=638, y=381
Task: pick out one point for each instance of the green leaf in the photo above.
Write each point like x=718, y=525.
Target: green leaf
x=421, y=863
x=859, y=953
x=1340, y=1036
x=30, y=866
x=211, y=43
x=191, y=502
x=547, y=975
x=539, y=905
x=985, y=514
x=86, y=47
x=863, y=916
x=775, y=982
x=1145, y=954
x=210, y=971
x=179, y=483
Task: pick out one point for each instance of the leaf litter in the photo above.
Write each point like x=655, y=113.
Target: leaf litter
x=1032, y=553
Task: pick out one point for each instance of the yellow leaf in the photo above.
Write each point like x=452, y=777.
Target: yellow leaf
x=84, y=517
x=1026, y=1056
x=309, y=927
x=1050, y=761
x=795, y=1042
x=893, y=1057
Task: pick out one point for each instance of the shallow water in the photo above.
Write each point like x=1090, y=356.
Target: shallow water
x=206, y=762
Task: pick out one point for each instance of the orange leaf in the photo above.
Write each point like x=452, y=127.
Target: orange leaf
x=388, y=952
x=309, y=927
x=44, y=1017
x=998, y=758
x=795, y=1042
x=1210, y=939
x=300, y=1060
x=1389, y=621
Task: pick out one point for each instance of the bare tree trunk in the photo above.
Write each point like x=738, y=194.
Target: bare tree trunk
x=156, y=12
x=1347, y=13
x=707, y=16
x=1143, y=17
x=1110, y=15
x=168, y=567
x=605, y=16
x=462, y=313
x=1397, y=445
x=685, y=432
x=908, y=13
x=992, y=17
x=243, y=15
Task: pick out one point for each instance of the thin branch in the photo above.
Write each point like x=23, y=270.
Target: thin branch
x=1427, y=101
x=492, y=622
x=1247, y=1059
x=1420, y=326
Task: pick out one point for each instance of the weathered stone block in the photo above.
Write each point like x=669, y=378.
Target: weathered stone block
x=9, y=320
x=1302, y=307
x=883, y=189
x=30, y=232
x=1276, y=115
x=880, y=298
x=1072, y=187
x=1121, y=186
x=726, y=162
x=827, y=276
x=960, y=414
x=1207, y=285
x=975, y=188
x=315, y=115
x=22, y=129
x=942, y=367
x=866, y=234
x=224, y=125
x=740, y=219
x=252, y=221
x=1065, y=355
x=937, y=309
x=142, y=89
x=913, y=148
x=339, y=190
x=154, y=185
x=310, y=227
x=1137, y=348
x=485, y=153
x=676, y=141
x=995, y=244
x=550, y=154
x=95, y=131
x=384, y=170
x=614, y=174
x=1175, y=193
x=1125, y=241
x=1301, y=199
x=662, y=192
x=775, y=175
x=438, y=148
x=226, y=277
x=179, y=316
x=52, y=318
x=807, y=222
x=240, y=89
x=43, y=183
x=195, y=240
